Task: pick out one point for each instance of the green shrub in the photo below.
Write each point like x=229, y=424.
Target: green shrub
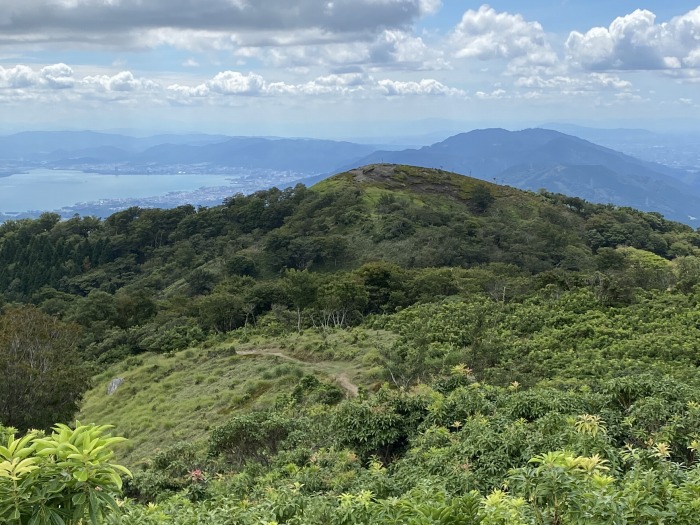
x=63, y=478
x=252, y=437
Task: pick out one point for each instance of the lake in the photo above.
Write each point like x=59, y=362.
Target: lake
x=44, y=189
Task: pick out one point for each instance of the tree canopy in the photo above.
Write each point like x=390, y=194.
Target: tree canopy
x=42, y=375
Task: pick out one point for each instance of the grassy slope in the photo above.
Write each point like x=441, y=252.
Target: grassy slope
x=167, y=398
x=442, y=190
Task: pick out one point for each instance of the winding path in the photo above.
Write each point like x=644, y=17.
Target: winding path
x=342, y=379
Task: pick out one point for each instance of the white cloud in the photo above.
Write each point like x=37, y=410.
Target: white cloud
x=399, y=49
x=181, y=93
x=572, y=85
x=426, y=86
x=430, y=7
x=235, y=83
x=494, y=95
x=346, y=84
x=636, y=41
x=224, y=83
x=18, y=77
x=487, y=35
x=576, y=85
x=123, y=81
x=57, y=76
x=338, y=85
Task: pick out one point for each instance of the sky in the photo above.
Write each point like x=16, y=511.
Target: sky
x=347, y=68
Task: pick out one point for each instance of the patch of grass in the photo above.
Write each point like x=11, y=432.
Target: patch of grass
x=181, y=397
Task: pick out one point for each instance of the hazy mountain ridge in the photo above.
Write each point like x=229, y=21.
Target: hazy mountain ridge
x=305, y=155
x=528, y=159
x=44, y=145
x=539, y=158
x=110, y=153
x=675, y=149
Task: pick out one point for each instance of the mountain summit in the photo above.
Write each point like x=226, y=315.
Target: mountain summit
x=540, y=158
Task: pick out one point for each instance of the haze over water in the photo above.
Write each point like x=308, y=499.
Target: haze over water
x=53, y=189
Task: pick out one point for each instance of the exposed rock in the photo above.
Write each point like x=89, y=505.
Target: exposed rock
x=113, y=385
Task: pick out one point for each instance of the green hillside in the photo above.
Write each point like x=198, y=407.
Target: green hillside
x=392, y=345
x=168, y=398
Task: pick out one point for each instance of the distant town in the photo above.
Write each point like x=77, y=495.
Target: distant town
x=243, y=180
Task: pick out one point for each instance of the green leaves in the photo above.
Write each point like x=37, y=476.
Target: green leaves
x=64, y=478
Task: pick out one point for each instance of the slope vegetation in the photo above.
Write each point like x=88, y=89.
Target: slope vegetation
x=539, y=158
x=518, y=357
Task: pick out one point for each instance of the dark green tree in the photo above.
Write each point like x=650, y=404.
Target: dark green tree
x=42, y=378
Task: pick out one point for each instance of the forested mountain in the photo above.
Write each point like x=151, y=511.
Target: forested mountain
x=392, y=345
x=407, y=216
x=539, y=158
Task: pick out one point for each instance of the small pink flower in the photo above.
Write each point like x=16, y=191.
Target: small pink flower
x=197, y=475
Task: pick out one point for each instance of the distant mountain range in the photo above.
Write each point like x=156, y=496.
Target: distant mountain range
x=680, y=150
x=85, y=149
x=303, y=155
x=529, y=159
x=55, y=145
x=535, y=159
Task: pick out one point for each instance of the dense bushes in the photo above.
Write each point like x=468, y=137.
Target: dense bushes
x=474, y=454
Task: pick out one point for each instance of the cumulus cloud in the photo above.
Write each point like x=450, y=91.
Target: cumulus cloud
x=224, y=83
x=573, y=85
x=636, y=41
x=55, y=76
x=17, y=77
x=235, y=83
x=426, y=86
x=123, y=81
x=346, y=84
x=340, y=85
x=485, y=34
x=22, y=83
